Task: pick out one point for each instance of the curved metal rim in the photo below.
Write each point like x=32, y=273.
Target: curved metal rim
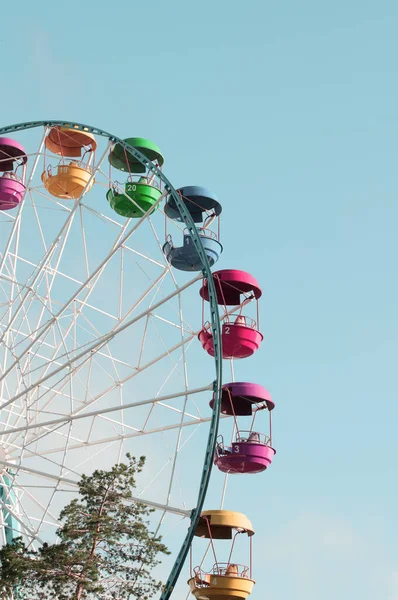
x=215, y=324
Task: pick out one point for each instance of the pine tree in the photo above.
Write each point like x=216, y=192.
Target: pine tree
x=104, y=551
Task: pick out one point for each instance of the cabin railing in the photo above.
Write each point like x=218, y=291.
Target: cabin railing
x=252, y=437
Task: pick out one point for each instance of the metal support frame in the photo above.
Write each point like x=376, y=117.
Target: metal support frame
x=214, y=316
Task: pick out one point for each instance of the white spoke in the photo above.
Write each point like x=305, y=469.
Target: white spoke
x=101, y=342
x=137, y=434
x=73, y=484
x=75, y=417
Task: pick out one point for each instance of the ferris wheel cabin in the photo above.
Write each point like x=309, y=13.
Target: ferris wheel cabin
x=138, y=195
x=12, y=183
x=249, y=451
x=226, y=580
x=240, y=334
x=199, y=201
x=204, y=208
x=72, y=177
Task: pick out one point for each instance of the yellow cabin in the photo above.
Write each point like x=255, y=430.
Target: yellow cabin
x=69, y=142
x=225, y=581
x=70, y=179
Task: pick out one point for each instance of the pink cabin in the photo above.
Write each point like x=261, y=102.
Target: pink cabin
x=13, y=161
x=240, y=334
x=250, y=451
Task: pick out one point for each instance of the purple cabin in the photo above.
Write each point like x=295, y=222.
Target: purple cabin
x=240, y=334
x=12, y=184
x=250, y=451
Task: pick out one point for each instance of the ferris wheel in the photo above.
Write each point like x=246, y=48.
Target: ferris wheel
x=113, y=331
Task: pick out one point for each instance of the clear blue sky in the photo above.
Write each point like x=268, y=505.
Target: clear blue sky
x=289, y=111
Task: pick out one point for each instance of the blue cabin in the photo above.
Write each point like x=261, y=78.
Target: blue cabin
x=200, y=202
x=204, y=208
x=186, y=257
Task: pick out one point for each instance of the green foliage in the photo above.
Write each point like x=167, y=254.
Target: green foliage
x=104, y=550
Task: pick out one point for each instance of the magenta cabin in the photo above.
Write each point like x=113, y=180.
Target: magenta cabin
x=13, y=161
x=240, y=334
x=249, y=450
